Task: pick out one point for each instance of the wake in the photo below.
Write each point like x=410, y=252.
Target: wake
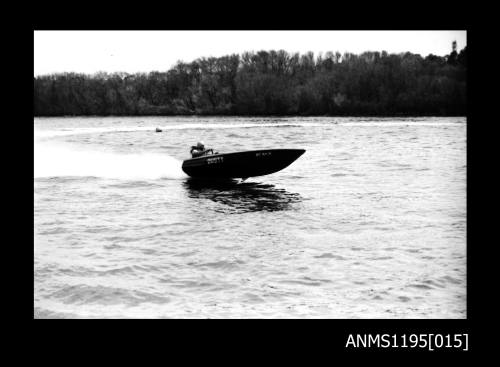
x=45, y=134
x=58, y=160
x=40, y=134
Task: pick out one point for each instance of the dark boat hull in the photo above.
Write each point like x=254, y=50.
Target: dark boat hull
x=241, y=164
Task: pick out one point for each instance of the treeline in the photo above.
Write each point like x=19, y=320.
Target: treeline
x=268, y=83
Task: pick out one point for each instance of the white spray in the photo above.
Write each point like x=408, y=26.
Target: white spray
x=57, y=159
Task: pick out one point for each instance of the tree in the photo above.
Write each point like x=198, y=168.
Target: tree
x=267, y=82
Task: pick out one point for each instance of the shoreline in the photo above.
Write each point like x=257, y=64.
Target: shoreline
x=253, y=116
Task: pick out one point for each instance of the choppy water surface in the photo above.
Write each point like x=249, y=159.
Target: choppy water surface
x=369, y=223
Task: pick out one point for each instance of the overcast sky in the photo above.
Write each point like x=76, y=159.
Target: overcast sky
x=144, y=51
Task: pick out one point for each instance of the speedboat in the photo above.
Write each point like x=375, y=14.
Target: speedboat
x=240, y=164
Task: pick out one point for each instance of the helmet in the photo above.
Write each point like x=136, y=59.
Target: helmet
x=200, y=145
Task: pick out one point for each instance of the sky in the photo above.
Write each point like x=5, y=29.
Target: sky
x=144, y=51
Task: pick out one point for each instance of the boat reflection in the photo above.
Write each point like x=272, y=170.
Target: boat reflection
x=241, y=197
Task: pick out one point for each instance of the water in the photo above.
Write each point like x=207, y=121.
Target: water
x=369, y=223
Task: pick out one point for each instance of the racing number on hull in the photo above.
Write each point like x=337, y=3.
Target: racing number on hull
x=215, y=160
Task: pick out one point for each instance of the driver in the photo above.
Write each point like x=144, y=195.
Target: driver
x=199, y=150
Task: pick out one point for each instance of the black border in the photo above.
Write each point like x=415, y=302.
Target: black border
x=325, y=335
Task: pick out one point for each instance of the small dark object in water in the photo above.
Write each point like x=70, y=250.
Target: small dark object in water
x=158, y=130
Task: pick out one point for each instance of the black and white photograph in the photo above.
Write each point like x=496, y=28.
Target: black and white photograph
x=250, y=174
